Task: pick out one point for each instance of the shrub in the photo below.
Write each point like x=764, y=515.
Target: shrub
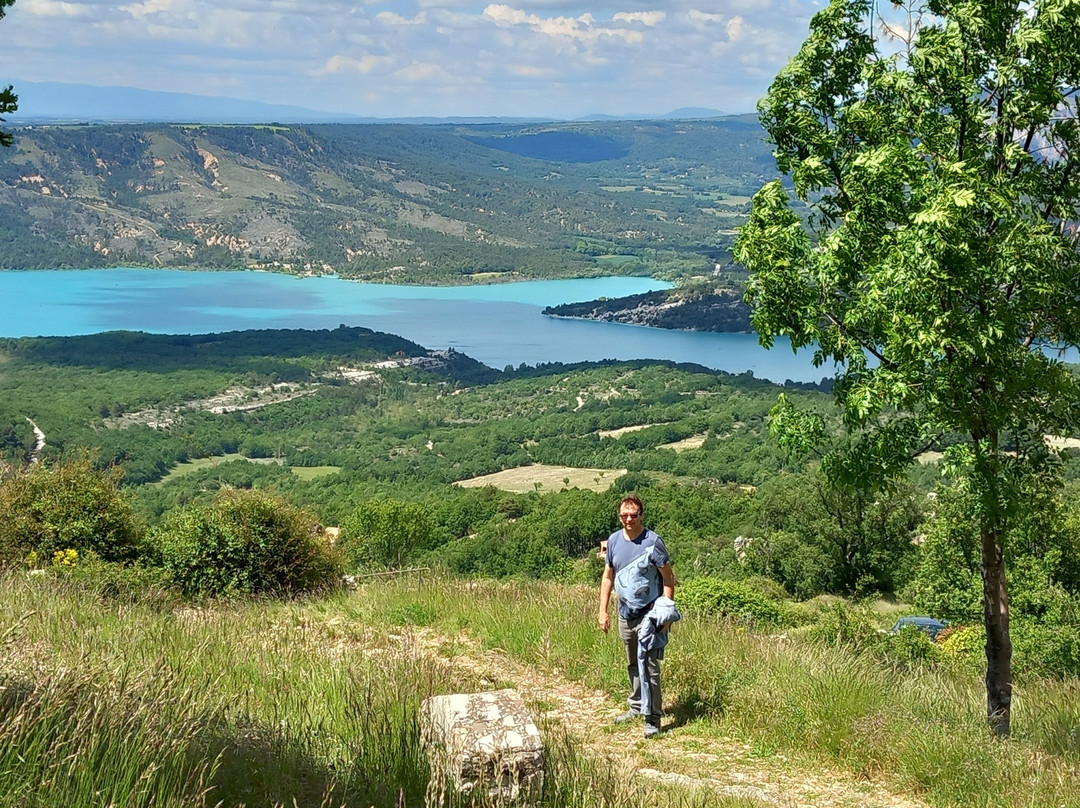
x=1042, y=650
x=1041, y=558
x=1033, y=592
x=67, y=506
x=841, y=624
x=121, y=583
x=588, y=570
x=632, y=481
x=911, y=646
x=774, y=590
x=545, y=543
x=245, y=542
x=1038, y=650
x=963, y=648
x=800, y=567
x=385, y=534
x=726, y=598
x=504, y=551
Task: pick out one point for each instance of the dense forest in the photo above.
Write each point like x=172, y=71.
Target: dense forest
x=371, y=402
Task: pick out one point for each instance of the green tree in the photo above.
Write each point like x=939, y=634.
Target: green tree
x=70, y=505
x=8, y=99
x=245, y=542
x=937, y=260
x=1042, y=556
x=822, y=538
x=384, y=534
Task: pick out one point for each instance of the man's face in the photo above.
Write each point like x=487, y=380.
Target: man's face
x=629, y=516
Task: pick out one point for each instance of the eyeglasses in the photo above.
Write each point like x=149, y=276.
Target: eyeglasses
x=633, y=515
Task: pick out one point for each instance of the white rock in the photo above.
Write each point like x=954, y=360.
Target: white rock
x=483, y=741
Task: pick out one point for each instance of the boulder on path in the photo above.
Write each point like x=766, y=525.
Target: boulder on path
x=484, y=741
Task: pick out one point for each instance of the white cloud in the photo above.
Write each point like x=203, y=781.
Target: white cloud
x=54, y=8
x=365, y=64
x=704, y=17
x=418, y=71
x=148, y=8
x=706, y=21
x=397, y=57
x=649, y=18
x=390, y=18
x=580, y=28
x=504, y=15
x=531, y=71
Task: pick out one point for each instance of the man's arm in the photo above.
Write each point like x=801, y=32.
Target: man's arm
x=607, y=583
x=667, y=575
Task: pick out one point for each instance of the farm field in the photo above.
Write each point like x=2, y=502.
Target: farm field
x=541, y=478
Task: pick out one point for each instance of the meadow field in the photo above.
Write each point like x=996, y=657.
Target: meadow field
x=151, y=701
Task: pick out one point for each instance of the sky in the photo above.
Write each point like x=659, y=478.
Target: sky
x=403, y=58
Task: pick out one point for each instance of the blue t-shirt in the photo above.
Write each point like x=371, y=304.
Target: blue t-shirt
x=621, y=553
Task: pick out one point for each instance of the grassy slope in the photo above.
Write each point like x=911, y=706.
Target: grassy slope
x=262, y=703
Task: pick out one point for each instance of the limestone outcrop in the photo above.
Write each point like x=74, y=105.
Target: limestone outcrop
x=484, y=741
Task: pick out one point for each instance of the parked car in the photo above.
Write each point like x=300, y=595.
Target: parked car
x=931, y=626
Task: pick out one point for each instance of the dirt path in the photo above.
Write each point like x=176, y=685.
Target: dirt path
x=682, y=755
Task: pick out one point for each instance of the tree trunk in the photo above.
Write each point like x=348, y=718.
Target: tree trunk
x=998, y=644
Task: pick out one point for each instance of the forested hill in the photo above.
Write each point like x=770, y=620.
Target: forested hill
x=678, y=309
x=409, y=204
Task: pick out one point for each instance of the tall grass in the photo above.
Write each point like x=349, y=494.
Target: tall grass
x=240, y=705
x=314, y=703
x=71, y=738
x=918, y=729
x=310, y=704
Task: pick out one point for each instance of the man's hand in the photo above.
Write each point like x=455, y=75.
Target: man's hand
x=604, y=621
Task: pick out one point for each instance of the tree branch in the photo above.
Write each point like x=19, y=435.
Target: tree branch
x=867, y=346
x=930, y=444
x=1070, y=165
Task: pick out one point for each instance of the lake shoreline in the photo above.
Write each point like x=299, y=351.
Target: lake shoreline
x=499, y=325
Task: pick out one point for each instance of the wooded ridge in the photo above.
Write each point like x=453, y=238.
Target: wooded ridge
x=393, y=203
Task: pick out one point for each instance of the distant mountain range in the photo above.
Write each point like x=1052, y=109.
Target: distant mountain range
x=41, y=102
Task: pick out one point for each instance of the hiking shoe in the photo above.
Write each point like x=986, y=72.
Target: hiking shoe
x=651, y=730
x=627, y=717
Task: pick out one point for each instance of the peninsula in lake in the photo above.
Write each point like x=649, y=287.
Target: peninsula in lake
x=681, y=309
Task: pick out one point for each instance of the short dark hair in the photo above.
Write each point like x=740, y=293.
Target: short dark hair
x=634, y=500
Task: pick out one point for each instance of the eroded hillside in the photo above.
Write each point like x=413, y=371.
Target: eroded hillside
x=399, y=203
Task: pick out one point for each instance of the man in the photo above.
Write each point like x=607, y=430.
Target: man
x=635, y=551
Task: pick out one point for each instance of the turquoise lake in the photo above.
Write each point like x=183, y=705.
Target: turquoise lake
x=498, y=324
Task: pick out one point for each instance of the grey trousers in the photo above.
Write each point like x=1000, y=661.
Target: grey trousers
x=628, y=634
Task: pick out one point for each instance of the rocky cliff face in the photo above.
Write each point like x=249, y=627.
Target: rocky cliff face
x=719, y=310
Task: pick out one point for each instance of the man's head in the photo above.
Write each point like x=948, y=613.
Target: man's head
x=631, y=510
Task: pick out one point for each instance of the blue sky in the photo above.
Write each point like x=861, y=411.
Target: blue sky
x=391, y=58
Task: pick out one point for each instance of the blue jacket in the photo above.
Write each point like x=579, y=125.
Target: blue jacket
x=662, y=613
x=638, y=583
